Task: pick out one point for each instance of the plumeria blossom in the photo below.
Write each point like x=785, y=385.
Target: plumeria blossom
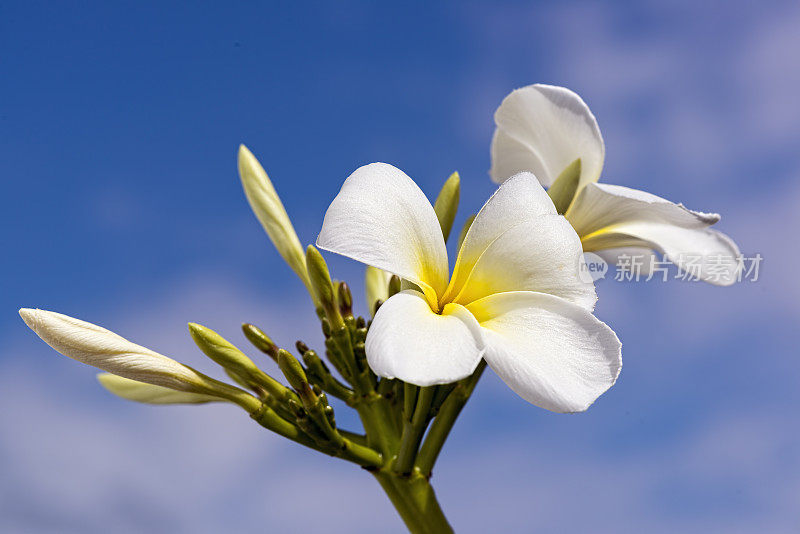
x=544, y=129
x=515, y=296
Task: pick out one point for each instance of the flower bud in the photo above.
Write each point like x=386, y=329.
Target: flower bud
x=269, y=209
x=236, y=364
x=446, y=203
x=315, y=365
x=321, y=283
x=326, y=327
x=260, y=340
x=345, y=300
x=133, y=390
x=101, y=348
x=222, y=351
x=296, y=376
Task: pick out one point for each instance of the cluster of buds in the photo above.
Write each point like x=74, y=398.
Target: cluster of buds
x=395, y=415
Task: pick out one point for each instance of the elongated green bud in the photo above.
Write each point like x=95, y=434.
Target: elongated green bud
x=446, y=203
x=345, y=300
x=270, y=212
x=320, y=374
x=296, y=376
x=315, y=403
x=360, y=334
x=236, y=364
x=320, y=277
x=260, y=340
x=565, y=186
x=326, y=327
x=322, y=285
x=221, y=350
x=315, y=364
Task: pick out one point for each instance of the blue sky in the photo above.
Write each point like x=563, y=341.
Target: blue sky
x=121, y=205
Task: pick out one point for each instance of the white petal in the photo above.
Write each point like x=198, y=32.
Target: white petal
x=101, y=348
x=133, y=390
x=552, y=353
x=410, y=342
x=542, y=129
x=519, y=198
x=381, y=218
x=611, y=216
x=541, y=254
x=510, y=157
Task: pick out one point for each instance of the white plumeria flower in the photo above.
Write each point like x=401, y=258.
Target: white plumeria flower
x=101, y=348
x=515, y=297
x=543, y=129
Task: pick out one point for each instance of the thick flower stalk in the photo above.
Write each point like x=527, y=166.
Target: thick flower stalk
x=551, y=132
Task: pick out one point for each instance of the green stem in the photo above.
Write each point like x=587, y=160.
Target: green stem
x=361, y=439
x=375, y=414
x=346, y=449
x=409, y=399
x=413, y=430
x=414, y=499
x=445, y=419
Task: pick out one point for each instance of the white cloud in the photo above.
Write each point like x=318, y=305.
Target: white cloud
x=683, y=92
